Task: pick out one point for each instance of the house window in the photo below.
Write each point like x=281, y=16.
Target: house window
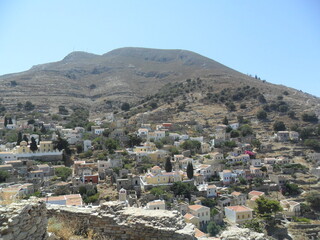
x=238, y=216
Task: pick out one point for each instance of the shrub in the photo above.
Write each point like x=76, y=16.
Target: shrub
x=279, y=126
x=63, y=172
x=309, y=117
x=262, y=115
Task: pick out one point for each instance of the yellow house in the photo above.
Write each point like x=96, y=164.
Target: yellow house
x=238, y=214
x=23, y=148
x=46, y=146
x=156, y=176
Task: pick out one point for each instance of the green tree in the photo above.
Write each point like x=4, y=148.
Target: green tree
x=190, y=170
x=266, y=207
x=28, y=106
x=25, y=138
x=125, y=106
x=168, y=165
x=312, y=143
x=292, y=114
x=3, y=176
x=234, y=134
x=19, y=138
x=63, y=110
x=279, y=126
x=159, y=144
x=309, y=117
x=213, y=229
x=313, y=199
x=62, y=143
x=43, y=130
x=157, y=191
x=5, y=121
x=262, y=115
x=291, y=189
x=134, y=140
x=246, y=130
x=192, y=145
x=63, y=172
x=185, y=189
x=111, y=145
x=256, y=143
x=225, y=121
x=33, y=145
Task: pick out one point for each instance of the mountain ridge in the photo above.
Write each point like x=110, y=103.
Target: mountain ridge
x=125, y=75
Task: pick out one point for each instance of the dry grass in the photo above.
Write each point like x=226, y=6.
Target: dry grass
x=67, y=231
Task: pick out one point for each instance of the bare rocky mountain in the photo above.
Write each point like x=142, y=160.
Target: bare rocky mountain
x=130, y=75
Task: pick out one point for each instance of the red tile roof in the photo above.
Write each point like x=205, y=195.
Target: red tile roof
x=239, y=208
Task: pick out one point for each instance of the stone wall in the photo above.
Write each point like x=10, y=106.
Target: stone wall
x=23, y=221
x=112, y=220
x=115, y=221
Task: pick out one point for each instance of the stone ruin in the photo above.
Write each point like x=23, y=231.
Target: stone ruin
x=29, y=220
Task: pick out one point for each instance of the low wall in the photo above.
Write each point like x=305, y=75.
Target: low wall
x=118, y=222
x=28, y=220
x=23, y=221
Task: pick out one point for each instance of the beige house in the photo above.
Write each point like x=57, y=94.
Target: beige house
x=255, y=194
x=202, y=212
x=189, y=218
x=238, y=214
x=239, y=198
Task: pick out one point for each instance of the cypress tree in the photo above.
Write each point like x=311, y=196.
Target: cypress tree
x=19, y=138
x=5, y=121
x=168, y=165
x=33, y=145
x=25, y=138
x=190, y=170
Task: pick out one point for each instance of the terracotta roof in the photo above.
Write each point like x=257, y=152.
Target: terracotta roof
x=189, y=216
x=256, y=193
x=236, y=193
x=254, y=198
x=195, y=207
x=212, y=186
x=239, y=208
x=71, y=199
x=155, y=168
x=198, y=233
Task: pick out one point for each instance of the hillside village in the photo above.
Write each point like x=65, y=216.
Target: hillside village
x=217, y=177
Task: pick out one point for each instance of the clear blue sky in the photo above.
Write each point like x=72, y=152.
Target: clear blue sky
x=277, y=40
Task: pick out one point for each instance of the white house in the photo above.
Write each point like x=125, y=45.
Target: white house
x=87, y=145
x=156, y=205
x=291, y=208
x=98, y=131
x=211, y=190
x=226, y=176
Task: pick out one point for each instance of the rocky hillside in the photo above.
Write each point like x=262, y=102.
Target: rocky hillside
x=178, y=78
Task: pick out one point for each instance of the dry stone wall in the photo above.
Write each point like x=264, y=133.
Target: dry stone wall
x=115, y=221
x=23, y=221
x=112, y=220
